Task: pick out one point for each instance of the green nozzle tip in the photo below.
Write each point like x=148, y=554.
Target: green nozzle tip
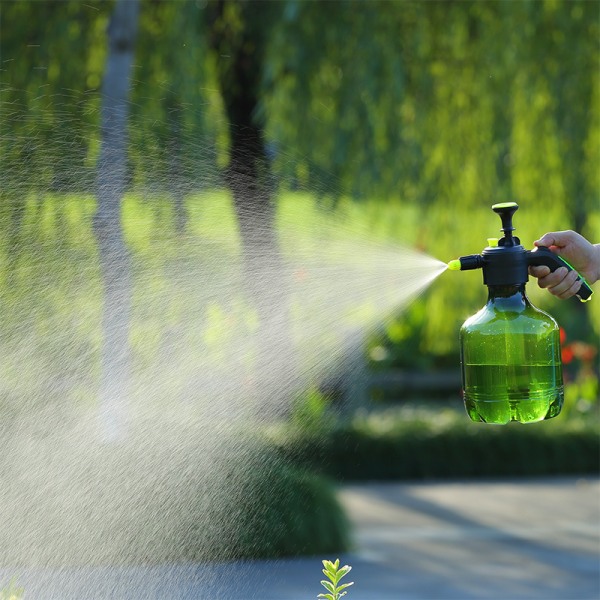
x=454, y=265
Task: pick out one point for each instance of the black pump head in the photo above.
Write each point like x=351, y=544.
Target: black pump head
x=505, y=262
x=506, y=210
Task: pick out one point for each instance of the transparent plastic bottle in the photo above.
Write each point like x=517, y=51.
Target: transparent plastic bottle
x=510, y=359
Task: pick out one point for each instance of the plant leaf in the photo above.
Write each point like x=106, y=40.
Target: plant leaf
x=344, y=586
x=326, y=596
x=344, y=570
x=328, y=565
x=328, y=586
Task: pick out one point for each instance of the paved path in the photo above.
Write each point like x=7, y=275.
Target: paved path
x=505, y=540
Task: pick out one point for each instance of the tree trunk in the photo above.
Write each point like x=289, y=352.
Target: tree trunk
x=265, y=276
x=115, y=260
x=250, y=181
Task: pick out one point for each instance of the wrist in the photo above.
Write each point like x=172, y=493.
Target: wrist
x=596, y=263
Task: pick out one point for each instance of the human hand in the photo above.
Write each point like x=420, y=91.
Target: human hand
x=583, y=256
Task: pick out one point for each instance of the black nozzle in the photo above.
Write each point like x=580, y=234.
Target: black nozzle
x=466, y=263
x=506, y=210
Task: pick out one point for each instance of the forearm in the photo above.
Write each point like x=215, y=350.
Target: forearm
x=595, y=275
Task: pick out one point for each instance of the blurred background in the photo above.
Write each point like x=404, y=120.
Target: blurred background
x=151, y=148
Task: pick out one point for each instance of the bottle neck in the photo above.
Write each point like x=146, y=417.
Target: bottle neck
x=508, y=297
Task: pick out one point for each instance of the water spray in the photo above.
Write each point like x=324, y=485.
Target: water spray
x=510, y=350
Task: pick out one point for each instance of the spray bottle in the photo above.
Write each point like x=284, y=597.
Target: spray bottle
x=510, y=351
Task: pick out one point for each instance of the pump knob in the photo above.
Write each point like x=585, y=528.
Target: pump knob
x=506, y=210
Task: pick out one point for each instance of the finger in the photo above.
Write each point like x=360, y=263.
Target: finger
x=546, y=240
x=572, y=290
x=558, y=239
x=539, y=271
x=553, y=279
x=565, y=285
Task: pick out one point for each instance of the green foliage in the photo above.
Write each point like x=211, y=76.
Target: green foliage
x=187, y=495
x=423, y=101
x=283, y=511
x=311, y=411
x=173, y=144
x=334, y=574
x=53, y=55
x=425, y=443
x=467, y=101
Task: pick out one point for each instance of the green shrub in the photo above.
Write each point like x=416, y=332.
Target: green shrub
x=405, y=444
x=162, y=497
x=284, y=512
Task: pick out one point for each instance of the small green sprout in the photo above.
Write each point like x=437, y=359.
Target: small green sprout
x=333, y=571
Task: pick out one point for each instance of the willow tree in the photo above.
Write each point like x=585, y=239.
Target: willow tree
x=170, y=149
x=48, y=54
x=434, y=104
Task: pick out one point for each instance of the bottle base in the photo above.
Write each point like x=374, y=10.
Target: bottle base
x=501, y=412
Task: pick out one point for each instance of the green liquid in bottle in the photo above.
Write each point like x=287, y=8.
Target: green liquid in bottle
x=511, y=365
x=503, y=393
